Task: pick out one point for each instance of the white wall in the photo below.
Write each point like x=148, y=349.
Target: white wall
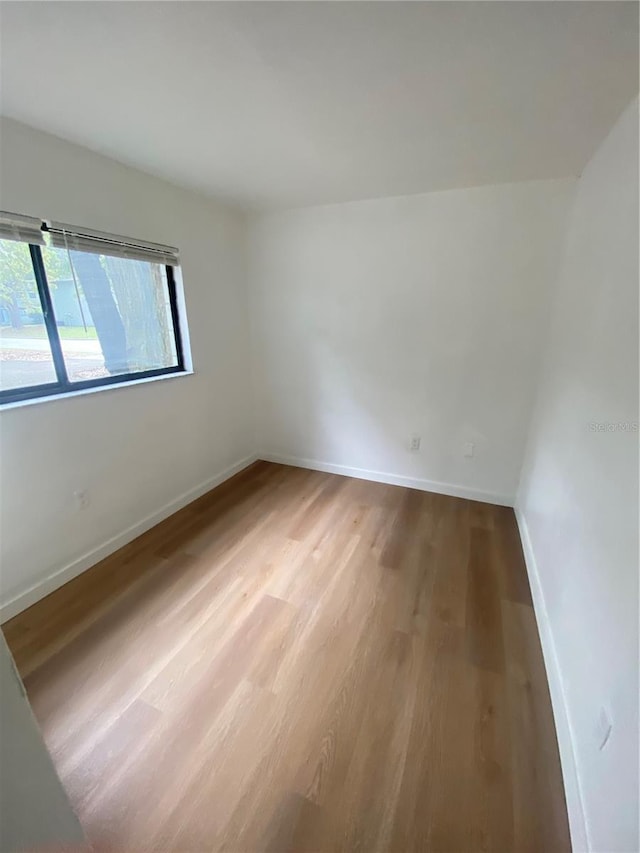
x=34, y=810
x=578, y=500
x=135, y=449
x=376, y=320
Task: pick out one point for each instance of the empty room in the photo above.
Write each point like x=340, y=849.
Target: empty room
x=319, y=367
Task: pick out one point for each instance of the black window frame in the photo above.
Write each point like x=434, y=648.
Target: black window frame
x=63, y=385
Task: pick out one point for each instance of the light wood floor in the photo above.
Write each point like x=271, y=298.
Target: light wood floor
x=302, y=662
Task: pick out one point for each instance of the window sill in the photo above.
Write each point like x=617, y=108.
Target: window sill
x=98, y=389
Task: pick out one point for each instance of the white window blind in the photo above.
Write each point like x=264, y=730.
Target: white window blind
x=29, y=229
x=24, y=229
x=78, y=239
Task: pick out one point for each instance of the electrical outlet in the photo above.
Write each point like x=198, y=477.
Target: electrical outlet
x=82, y=499
x=467, y=448
x=414, y=443
x=604, y=727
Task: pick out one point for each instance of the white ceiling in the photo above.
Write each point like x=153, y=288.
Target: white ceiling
x=301, y=103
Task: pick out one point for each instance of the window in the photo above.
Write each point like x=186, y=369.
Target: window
x=80, y=308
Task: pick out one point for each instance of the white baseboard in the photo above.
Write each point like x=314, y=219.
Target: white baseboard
x=575, y=809
x=61, y=576
x=393, y=479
